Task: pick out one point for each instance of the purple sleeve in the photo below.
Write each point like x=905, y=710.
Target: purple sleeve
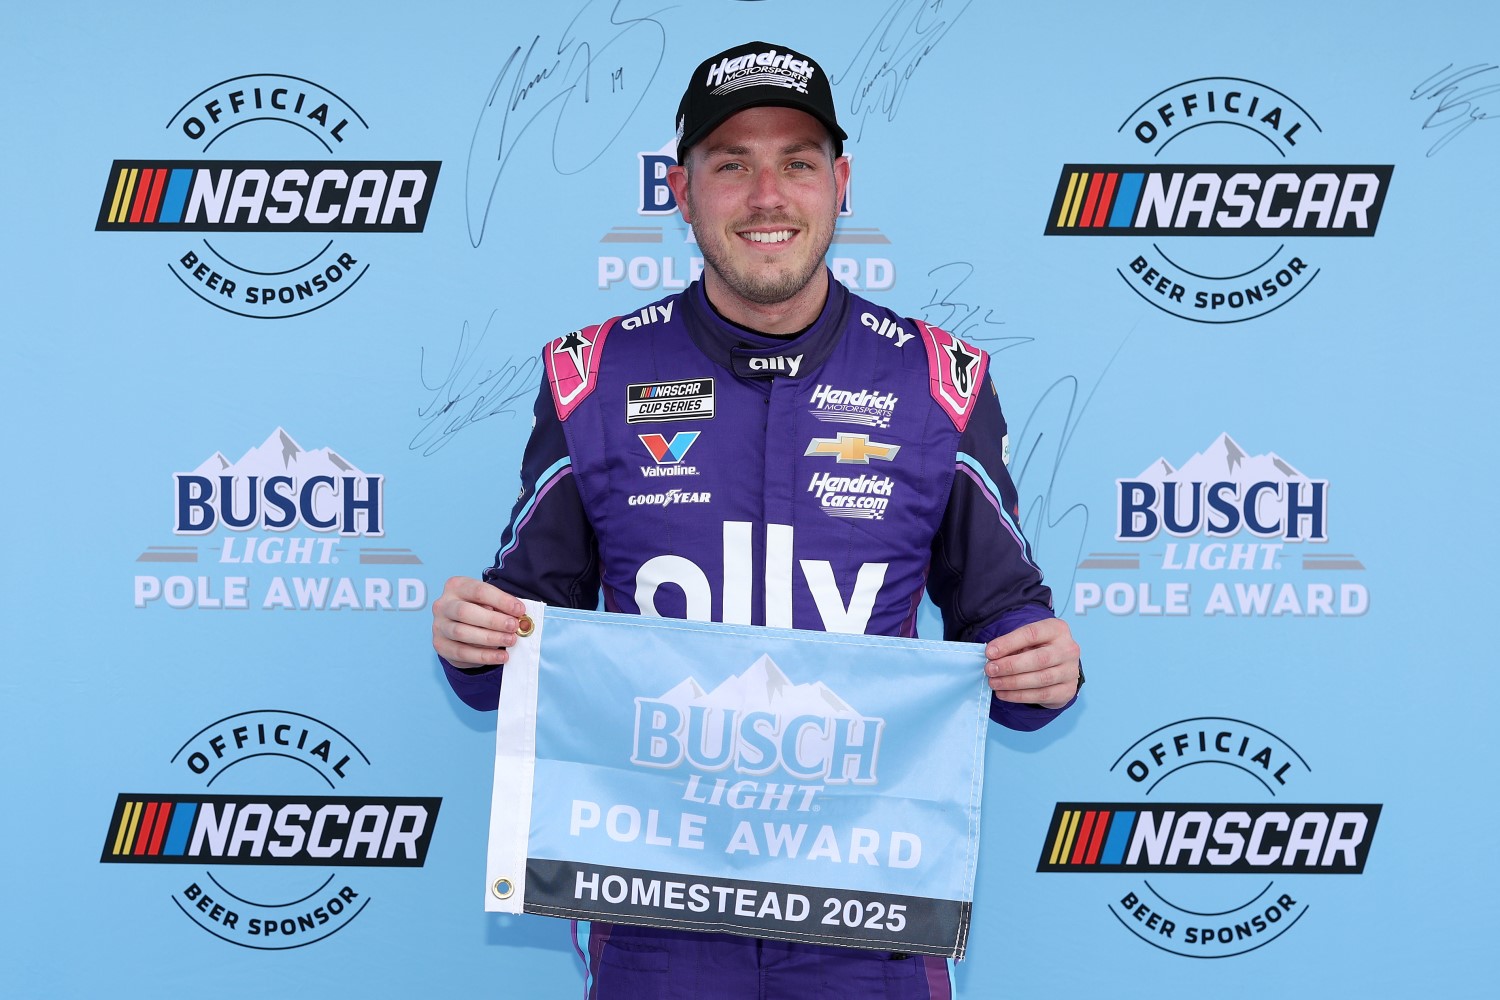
x=547, y=552
x=983, y=577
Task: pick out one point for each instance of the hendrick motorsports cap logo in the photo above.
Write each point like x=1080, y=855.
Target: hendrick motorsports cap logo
x=257, y=861
x=1227, y=877
x=281, y=236
x=1193, y=255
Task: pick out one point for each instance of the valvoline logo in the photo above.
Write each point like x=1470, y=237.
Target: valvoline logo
x=671, y=452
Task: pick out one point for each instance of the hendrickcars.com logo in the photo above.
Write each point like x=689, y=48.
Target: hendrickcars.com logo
x=1201, y=262
x=1199, y=877
x=280, y=236
x=258, y=863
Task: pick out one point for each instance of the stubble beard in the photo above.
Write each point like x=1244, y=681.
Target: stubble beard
x=761, y=286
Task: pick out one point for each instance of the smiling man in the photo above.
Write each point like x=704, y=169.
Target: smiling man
x=758, y=389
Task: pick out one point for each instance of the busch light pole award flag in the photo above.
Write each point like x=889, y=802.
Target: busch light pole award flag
x=804, y=786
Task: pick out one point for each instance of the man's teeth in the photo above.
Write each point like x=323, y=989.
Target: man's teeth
x=779, y=236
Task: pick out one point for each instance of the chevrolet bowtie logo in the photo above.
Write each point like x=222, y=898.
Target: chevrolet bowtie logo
x=852, y=449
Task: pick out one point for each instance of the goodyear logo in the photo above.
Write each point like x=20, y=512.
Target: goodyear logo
x=1220, y=838
x=1215, y=200
x=270, y=830
x=341, y=196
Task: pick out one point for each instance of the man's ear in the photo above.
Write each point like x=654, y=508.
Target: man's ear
x=677, y=180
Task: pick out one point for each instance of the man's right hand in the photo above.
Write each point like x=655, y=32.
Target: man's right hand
x=473, y=623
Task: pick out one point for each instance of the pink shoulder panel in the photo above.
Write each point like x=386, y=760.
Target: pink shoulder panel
x=955, y=372
x=573, y=366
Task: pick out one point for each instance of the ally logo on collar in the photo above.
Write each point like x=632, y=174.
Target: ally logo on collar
x=765, y=366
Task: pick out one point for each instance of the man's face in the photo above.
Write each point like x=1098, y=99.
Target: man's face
x=762, y=196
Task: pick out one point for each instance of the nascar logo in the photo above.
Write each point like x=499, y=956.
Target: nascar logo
x=270, y=830
x=268, y=195
x=689, y=399
x=1220, y=838
x=1199, y=200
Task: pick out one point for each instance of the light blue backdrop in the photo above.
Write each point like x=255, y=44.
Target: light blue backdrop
x=123, y=374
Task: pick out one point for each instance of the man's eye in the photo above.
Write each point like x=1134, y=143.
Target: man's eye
x=799, y=165
x=731, y=165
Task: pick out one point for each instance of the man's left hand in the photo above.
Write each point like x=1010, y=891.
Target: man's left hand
x=1037, y=664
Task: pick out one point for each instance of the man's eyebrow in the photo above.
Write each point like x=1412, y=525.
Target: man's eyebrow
x=791, y=148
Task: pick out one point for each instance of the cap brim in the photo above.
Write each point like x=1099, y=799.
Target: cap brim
x=702, y=132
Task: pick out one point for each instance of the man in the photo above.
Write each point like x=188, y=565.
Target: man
x=827, y=457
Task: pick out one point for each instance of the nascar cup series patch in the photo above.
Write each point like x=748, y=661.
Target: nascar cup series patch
x=801, y=786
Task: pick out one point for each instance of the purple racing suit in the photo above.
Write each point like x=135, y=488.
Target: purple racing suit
x=684, y=466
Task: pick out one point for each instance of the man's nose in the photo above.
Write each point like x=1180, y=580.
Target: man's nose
x=767, y=189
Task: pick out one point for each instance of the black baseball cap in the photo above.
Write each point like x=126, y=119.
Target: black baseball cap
x=752, y=75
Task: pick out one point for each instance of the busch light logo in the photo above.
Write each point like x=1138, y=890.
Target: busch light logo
x=1226, y=529
x=279, y=486
x=286, y=528
x=758, y=723
x=1219, y=493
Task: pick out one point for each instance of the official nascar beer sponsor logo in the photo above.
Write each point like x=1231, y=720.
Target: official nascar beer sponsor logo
x=1227, y=534
x=668, y=454
x=865, y=407
x=1209, y=896
x=258, y=861
x=688, y=399
x=658, y=256
x=1219, y=275
x=311, y=215
x=286, y=528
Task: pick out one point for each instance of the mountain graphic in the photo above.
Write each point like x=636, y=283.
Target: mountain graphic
x=279, y=455
x=762, y=687
x=1223, y=461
